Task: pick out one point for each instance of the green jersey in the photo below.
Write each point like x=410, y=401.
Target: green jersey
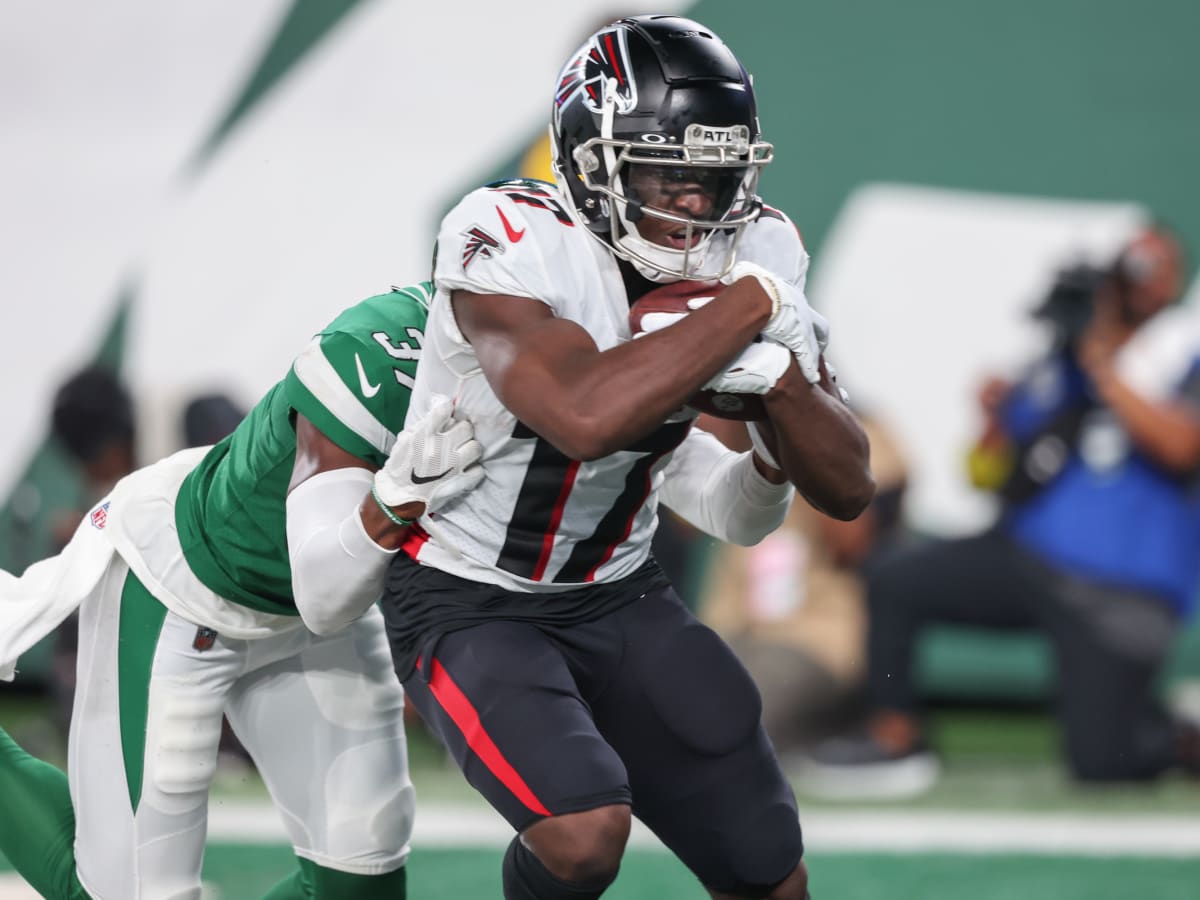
x=353, y=383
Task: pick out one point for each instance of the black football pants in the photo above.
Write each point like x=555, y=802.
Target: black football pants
x=643, y=706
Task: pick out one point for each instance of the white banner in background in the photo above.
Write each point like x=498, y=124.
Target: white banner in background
x=928, y=291
x=328, y=191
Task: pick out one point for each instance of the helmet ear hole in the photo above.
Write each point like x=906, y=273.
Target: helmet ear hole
x=587, y=160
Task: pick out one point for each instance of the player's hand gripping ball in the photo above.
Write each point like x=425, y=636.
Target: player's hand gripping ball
x=736, y=393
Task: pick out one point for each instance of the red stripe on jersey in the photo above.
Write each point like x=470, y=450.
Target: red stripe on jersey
x=555, y=520
x=417, y=537
x=451, y=698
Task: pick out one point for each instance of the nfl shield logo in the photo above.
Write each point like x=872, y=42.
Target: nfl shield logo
x=204, y=640
x=100, y=515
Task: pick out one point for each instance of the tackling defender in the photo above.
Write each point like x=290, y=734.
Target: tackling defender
x=532, y=629
x=241, y=580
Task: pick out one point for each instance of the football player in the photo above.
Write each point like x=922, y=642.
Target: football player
x=531, y=627
x=240, y=580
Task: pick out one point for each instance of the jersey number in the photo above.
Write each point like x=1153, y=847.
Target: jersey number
x=401, y=350
x=530, y=193
x=543, y=497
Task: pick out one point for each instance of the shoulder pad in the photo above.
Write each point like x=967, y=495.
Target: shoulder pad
x=355, y=380
x=507, y=238
x=774, y=242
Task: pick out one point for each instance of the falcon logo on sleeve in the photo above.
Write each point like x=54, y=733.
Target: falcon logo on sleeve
x=479, y=244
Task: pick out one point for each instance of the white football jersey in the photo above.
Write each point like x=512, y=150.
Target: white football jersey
x=540, y=521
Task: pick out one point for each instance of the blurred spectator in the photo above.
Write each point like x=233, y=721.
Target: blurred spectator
x=1095, y=453
x=209, y=418
x=793, y=606
x=92, y=419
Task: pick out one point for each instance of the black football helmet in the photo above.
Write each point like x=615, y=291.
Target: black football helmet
x=652, y=105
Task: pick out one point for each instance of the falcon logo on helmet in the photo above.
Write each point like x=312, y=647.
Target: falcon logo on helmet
x=604, y=60
x=649, y=109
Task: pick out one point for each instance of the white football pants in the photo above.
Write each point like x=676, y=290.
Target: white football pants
x=321, y=716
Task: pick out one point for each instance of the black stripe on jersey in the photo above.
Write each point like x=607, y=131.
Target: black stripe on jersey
x=534, y=510
x=596, y=550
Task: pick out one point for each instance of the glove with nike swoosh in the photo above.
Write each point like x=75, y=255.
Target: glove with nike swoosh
x=433, y=460
x=793, y=322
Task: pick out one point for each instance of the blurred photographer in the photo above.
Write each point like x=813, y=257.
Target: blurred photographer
x=1095, y=454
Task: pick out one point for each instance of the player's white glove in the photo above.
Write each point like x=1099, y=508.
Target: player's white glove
x=432, y=461
x=755, y=370
x=657, y=321
x=793, y=322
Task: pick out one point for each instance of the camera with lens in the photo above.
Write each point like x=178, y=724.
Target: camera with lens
x=1069, y=303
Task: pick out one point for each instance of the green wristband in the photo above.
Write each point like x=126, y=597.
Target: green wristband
x=388, y=511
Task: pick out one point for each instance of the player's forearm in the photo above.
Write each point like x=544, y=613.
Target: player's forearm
x=381, y=528
x=607, y=401
x=337, y=569
x=821, y=446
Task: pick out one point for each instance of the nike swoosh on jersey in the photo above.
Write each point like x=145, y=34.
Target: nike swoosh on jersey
x=368, y=390
x=513, y=234
x=417, y=479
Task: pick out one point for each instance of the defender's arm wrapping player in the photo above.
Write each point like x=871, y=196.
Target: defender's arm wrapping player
x=195, y=579
x=532, y=629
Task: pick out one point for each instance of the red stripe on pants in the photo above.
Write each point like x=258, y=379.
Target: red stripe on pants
x=451, y=698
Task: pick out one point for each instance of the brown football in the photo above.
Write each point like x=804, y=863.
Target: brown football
x=673, y=298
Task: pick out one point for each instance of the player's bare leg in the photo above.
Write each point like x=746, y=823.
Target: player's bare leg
x=581, y=846
x=575, y=855
x=794, y=887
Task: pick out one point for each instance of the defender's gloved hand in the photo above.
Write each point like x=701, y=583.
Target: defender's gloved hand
x=433, y=460
x=793, y=322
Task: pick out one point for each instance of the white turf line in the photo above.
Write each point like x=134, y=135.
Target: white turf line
x=1132, y=834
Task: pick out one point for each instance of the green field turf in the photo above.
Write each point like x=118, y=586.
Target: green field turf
x=995, y=763
x=647, y=875
x=234, y=872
